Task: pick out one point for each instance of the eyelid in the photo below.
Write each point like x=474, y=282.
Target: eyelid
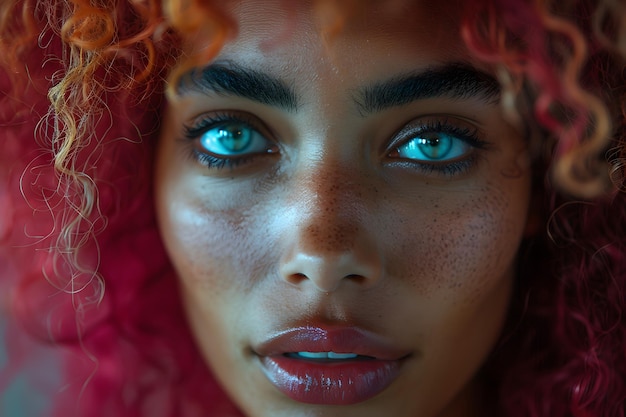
x=205, y=121
x=467, y=131
x=194, y=130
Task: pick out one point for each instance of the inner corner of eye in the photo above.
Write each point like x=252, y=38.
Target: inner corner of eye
x=393, y=153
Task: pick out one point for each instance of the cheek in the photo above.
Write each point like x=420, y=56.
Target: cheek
x=462, y=244
x=215, y=252
x=196, y=243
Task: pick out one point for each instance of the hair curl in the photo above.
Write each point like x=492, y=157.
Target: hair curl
x=80, y=249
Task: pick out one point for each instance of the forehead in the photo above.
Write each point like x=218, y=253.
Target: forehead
x=347, y=37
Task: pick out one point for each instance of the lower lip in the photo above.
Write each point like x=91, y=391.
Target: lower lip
x=341, y=383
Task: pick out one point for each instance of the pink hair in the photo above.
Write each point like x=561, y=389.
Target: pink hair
x=104, y=294
x=564, y=350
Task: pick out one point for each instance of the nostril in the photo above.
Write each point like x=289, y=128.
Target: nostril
x=297, y=278
x=356, y=278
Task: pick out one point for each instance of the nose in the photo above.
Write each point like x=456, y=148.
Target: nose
x=330, y=241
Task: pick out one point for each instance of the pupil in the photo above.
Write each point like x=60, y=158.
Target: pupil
x=430, y=142
x=435, y=148
x=234, y=138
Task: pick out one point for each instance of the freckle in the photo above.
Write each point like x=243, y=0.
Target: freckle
x=453, y=285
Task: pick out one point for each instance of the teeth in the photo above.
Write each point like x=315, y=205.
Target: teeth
x=327, y=355
x=333, y=355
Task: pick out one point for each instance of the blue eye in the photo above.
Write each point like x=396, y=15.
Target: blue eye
x=433, y=147
x=438, y=146
x=228, y=139
x=232, y=139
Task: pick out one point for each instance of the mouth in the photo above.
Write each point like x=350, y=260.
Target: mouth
x=331, y=366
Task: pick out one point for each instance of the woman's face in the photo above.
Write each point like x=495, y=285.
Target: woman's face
x=343, y=211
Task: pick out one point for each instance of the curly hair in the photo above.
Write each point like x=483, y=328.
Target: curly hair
x=83, y=84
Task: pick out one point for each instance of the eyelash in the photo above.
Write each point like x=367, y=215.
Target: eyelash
x=205, y=123
x=468, y=135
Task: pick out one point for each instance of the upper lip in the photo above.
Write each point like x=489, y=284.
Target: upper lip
x=327, y=339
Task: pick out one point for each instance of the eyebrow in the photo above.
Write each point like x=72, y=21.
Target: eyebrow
x=232, y=79
x=456, y=81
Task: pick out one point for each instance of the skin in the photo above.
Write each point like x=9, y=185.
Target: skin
x=332, y=226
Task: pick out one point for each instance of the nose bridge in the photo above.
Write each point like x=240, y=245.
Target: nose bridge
x=330, y=241
x=332, y=205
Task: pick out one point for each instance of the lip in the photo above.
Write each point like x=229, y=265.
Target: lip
x=337, y=382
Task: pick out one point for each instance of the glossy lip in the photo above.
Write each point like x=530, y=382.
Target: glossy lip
x=338, y=382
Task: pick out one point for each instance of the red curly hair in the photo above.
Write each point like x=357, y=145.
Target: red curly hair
x=83, y=268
